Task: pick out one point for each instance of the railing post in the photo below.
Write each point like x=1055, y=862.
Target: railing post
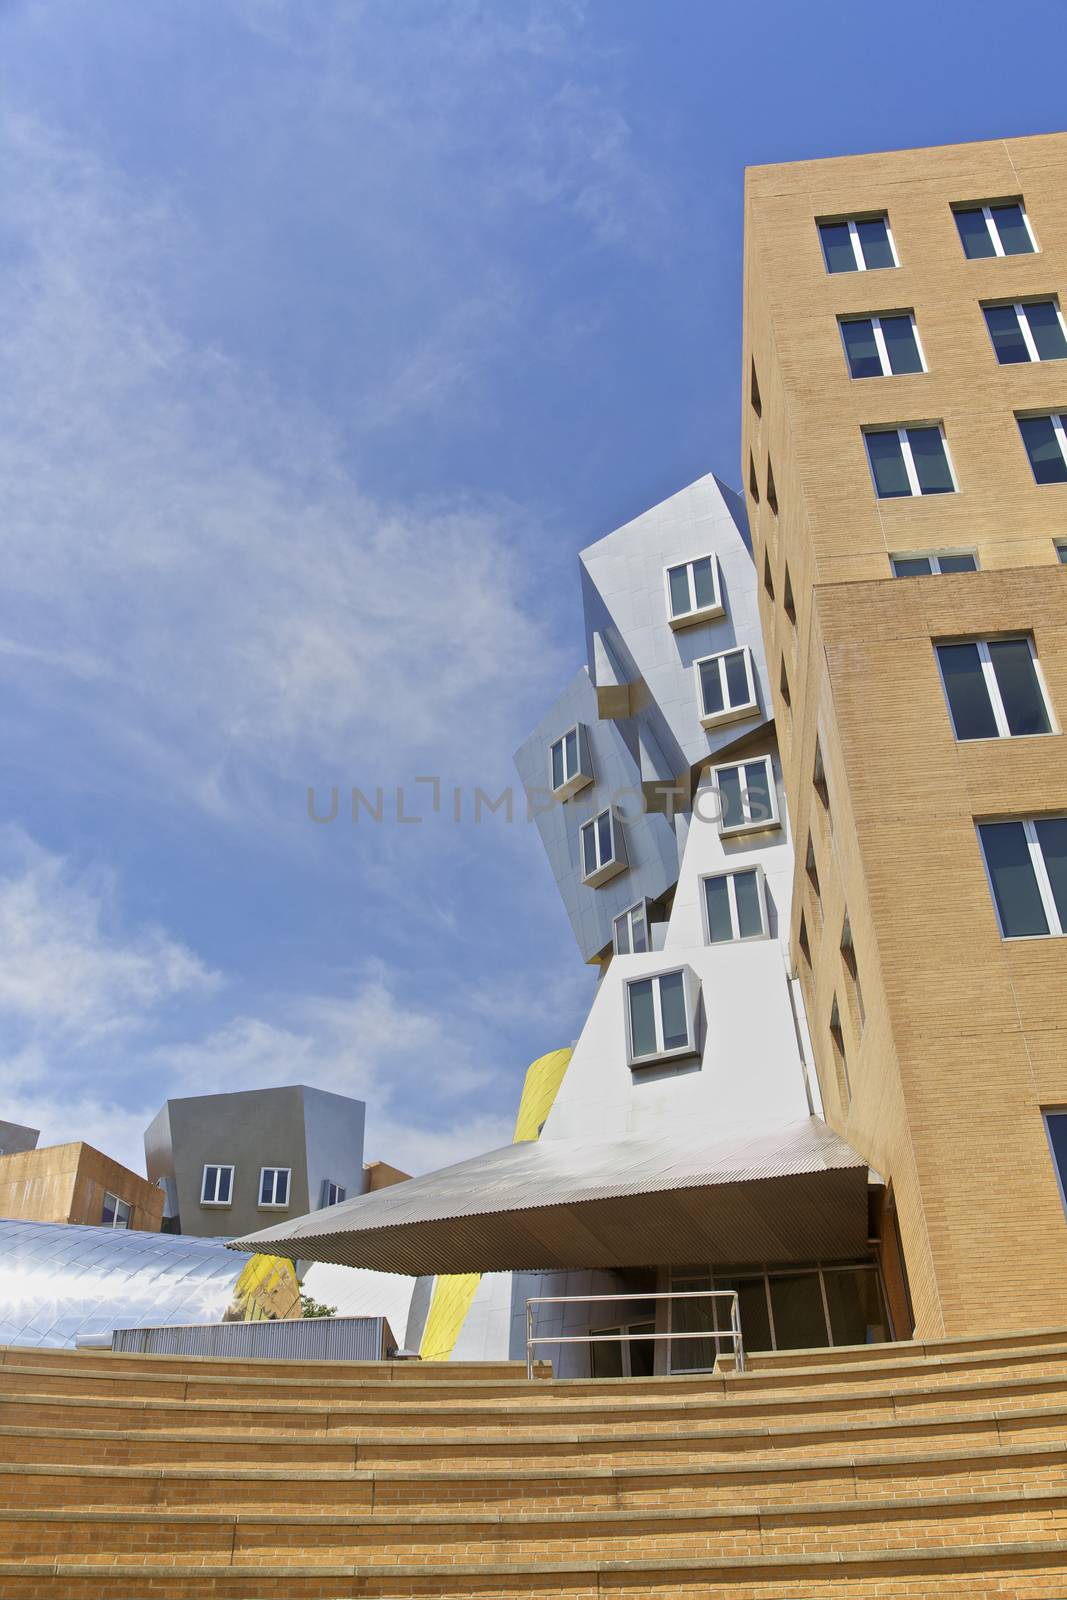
x=529, y=1339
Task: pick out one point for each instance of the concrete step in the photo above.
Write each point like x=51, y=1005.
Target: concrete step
x=1026, y=1570
x=386, y=1371
x=903, y=1349
x=840, y=1478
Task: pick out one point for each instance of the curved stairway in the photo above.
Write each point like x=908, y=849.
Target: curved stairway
x=915, y=1470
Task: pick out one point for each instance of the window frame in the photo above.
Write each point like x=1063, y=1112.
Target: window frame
x=761, y=895
x=1059, y=428
x=851, y=223
x=986, y=208
x=1060, y=1176
x=992, y=688
x=934, y=558
x=118, y=1205
x=644, y=907
x=1057, y=929
x=734, y=829
x=604, y=871
x=729, y=713
x=217, y=1167
x=340, y=1193
x=1019, y=306
x=1060, y=547
x=691, y=995
x=875, y=319
x=275, y=1204
x=688, y=619
x=582, y=776
x=901, y=430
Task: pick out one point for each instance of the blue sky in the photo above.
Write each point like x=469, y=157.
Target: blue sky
x=330, y=333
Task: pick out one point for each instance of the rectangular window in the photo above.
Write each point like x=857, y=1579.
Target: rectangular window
x=852, y=971
x=882, y=347
x=860, y=244
x=747, y=796
x=735, y=906
x=993, y=688
x=116, y=1212
x=693, y=591
x=632, y=935
x=1061, y=551
x=909, y=461
x=1045, y=439
x=1056, y=1128
x=995, y=230
x=661, y=1016
x=602, y=850
x=1027, y=330
x=935, y=563
x=332, y=1193
x=274, y=1187
x=837, y=1040
x=216, y=1188
x=726, y=686
x=569, y=766
x=1027, y=866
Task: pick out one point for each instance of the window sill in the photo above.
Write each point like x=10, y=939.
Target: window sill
x=575, y=785
x=217, y=1205
x=604, y=874
x=662, y=1057
x=265, y=1205
x=731, y=714
x=736, y=829
x=689, y=619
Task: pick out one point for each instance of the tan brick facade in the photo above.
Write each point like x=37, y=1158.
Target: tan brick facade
x=68, y=1183
x=964, y=1035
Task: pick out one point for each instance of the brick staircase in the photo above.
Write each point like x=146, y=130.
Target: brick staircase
x=906, y=1470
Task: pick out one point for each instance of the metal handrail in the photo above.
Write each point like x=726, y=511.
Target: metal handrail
x=733, y=1333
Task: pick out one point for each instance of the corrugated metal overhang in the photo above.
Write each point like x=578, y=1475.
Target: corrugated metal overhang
x=797, y=1194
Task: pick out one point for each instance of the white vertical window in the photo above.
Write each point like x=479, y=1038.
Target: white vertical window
x=274, y=1187
x=1026, y=861
x=661, y=1016
x=735, y=906
x=116, y=1212
x=994, y=688
x=332, y=1193
x=995, y=230
x=602, y=852
x=216, y=1187
x=1045, y=441
x=747, y=798
x=882, y=347
x=1027, y=330
x=726, y=686
x=858, y=244
x=909, y=461
x=632, y=931
x=694, y=593
x=569, y=766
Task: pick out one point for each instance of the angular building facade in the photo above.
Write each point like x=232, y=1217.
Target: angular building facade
x=681, y=1145
x=905, y=459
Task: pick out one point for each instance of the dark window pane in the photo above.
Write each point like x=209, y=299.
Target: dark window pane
x=837, y=247
x=1013, y=668
x=1004, y=330
x=711, y=687
x=966, y=563
x=874, y=243
x=729, y=786
x=606, y=1358
x=678, y=579
x=1061, y=551
x=622, y=935
x=887, y=464
x=642, y=1019
x=1014, y=884
x=799, y=1319
x=639, y=931
x=974, y=235
x=692, y=1316
x=931, y=462
x=736, y=679
x=965, y=686
x=703, y=582
x=752, y=1310
x=604, y=838
x=1046, y=458
x=857, y=1314
x=225, y=1183
x=758, y=803
x=1052, y=837
x=1008, y=221
x=717, y=897
x=899, y=336
x=861, y=350
x=557, y=764
x=1057, y=1135
x=749, y=918
x=266, y=1189
x=1047, y=331
x=642, y=1351
x=911, y=566
x=672, y=1011
x=571, y=755
x=589, y=849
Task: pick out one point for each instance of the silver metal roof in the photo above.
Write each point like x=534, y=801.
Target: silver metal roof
x=795, y=1194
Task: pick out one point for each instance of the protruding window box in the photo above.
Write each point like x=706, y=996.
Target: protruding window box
x=569, y=766
x=661, y=1017
x=603, y=852
x=747, y=795
x=632, y=930
x=694, y=592
x=726, y=687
